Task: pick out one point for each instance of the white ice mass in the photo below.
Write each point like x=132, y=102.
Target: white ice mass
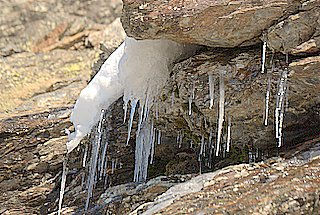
x=136, y=69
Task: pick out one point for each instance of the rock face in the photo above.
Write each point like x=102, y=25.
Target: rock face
x=226, y=23
x=273, y=187
x=42, y=74
x=47, y=68
x=245, y=97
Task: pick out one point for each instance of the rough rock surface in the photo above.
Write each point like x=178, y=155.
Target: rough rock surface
x=48, y=68
x=225, y=23
x=41, y=75
x=276, y=186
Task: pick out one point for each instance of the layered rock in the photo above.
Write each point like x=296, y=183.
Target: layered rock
x=285, y=24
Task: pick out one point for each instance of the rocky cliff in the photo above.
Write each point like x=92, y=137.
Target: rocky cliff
x=43, y=72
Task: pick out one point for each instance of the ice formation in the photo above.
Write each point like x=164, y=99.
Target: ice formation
x=94, y=159
x=264, y=50
x=104, y=89
x=211, y=90
x=221, y=111
x=228, y=135
x=280, y=105
x=63, y=184
x=266, y=115
x=136, y=71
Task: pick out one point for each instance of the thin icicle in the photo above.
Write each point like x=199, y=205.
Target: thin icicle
x=159, y=137
x=193, y=90
x=221, y=112
x=201, y=149
x=112, y=166
x=152, y=144
x=94, y=159
x=133, y=108
x=63, y=184
x=85, y=156
x=191, y=144
x=146, y=108
x=267, y=102
x=190, y=105
x=140, y=119
x=280, y=106
x=211, y=90
x=104, y=151
x=143, y=150
x=125, y=109
x=264, y=49
x=228, y=135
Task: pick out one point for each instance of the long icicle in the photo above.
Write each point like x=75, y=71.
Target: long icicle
x=94, y=159
x=266, y=115
x=228, y=135
x=264, y=49
x=63, y=183
x=211, y=90
x=133, y=109
x=103, y=159
x=84, y=160
x=221, y=111
x=125, y=110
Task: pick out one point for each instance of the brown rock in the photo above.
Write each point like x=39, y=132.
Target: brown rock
x=294, y=34
x=223, y=23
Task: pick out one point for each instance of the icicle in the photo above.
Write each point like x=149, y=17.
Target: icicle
x=201, y=149
x=133, y=108
x=143, y=150
x=210, y=143
x=140, y=119
x=211, y=90
x=63, y=184
x=228, y=135
x=190, y=105
x=159, y=137
x=267, y=102
x=152, y=144
x=102, y=169
x=125, y=109
x=280, y=109
x=221, y=112
x=94, y=159
x=85, y=156
x=193, y=90
x=146, y=108
x=112, y=166
x=191, y=144
x=264, y=49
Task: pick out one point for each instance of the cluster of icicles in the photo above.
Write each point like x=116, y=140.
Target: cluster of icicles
x=147, y=135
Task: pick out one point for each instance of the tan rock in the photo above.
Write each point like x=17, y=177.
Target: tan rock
x=224, y=23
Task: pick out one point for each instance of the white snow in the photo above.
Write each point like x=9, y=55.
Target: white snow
x=134, y=70
x=102, y=91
